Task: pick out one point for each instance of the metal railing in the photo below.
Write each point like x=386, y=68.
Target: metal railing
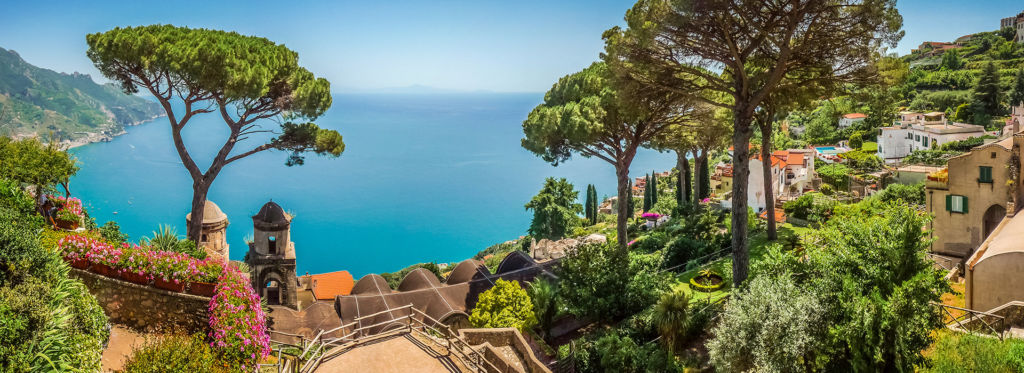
x=970, y=315
x=322, y=347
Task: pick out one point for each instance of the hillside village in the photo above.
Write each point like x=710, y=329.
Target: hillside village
x=878, y=233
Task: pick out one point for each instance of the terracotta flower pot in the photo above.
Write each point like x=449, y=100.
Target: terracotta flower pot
x=135, y=278
x=79, y=263
x=169, y=285
x=67, y=224
x=203, y=289
x=102, y=269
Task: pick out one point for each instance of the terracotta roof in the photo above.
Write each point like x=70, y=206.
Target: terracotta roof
x=854, y=116
x=780, y=216
x=326, y=286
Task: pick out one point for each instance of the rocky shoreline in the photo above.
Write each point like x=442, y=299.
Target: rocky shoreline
x=104, y=135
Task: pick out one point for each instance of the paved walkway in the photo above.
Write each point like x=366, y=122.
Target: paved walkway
x=402, y=353
x=122, y=342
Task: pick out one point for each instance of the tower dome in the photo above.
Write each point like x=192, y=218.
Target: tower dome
x=271, y=217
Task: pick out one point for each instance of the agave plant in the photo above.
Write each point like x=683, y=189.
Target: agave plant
x=166, y=238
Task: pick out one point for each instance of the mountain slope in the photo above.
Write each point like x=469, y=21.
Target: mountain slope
x=34, y=100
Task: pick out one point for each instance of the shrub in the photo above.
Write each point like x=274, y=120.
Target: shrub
x=111, y=232
x=683, y=249
x=506, y=305
x=835, y=174
x=174, y=354
x=912, y=194
x=598, y=282
x=238, y=327
x=955, y=352
x=814, y=207
x=166, y=239
x=650, y=243
x=862, y=161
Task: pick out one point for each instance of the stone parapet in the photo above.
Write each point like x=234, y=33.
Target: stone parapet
x=146, y=308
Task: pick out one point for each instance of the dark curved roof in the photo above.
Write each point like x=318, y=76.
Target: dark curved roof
x=419, y=278
x=371, y=284
x=515, y=260
x=466, y=271
x=271, y=216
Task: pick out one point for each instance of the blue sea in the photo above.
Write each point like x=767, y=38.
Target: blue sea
x=424, y=178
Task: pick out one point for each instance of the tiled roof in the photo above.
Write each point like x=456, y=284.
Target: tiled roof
x=326, y=286
x=780, y=216
x=854, y=116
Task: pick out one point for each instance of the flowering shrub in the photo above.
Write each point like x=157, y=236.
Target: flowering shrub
x=207, y=270
x=70, y=208
x=650, y=215
x=172, y=266
x=237, y=323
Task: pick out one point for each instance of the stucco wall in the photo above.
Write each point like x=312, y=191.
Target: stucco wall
x=959, y=234
x=146, y=308
x=995, y=281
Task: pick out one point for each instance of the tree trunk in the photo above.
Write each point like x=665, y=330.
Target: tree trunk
x=696, y=176
x=740, y=177
x=683, y=164
x=766, y=163
x=623, y=213
x=195, y=225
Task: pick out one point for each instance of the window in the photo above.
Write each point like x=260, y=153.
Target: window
x=985, y=174
x=957, y=204
x=917, y=137
x=204, y=238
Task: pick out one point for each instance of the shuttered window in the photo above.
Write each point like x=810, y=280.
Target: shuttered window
x=984, y=174
x=957, y=204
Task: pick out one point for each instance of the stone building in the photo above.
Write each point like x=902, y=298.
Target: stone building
x=971, y=200
x=975, y=204
x=271, y=257
x=213, y=237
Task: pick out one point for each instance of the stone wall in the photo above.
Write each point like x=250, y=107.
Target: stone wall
x=494, y=339
x=146, y=308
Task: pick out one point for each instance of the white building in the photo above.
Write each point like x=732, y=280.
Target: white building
x=799, y=170
x=849, y=120
x=916, y=131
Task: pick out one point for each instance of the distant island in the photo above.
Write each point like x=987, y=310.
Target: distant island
x=72, y=107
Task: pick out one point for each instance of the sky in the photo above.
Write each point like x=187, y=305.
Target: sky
x=482, y=45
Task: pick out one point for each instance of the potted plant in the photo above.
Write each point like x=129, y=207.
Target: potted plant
x=103, y=258
x=170, y=270
x=75, y=248
x=204, y=279
x=69, y=214
x=135, y=266
x=707, y=281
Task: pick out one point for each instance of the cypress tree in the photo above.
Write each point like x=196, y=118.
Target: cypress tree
x=589, y=205
x=593, y=191
x=986, y=94
x=704, y=189
x=647, y=193
x=654, y=188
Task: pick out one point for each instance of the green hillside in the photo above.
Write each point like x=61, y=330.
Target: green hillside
x=41, y=101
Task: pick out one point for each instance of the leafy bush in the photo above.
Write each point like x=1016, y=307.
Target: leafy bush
x=651, y=242
x=965, y=145
x=506, y=305
x=955, y=352
x=167, y=239
x=813, y=207
x=931, y=157
x=174, y=354
x=555, y=210
x=111, y=232
x=861, y=161
x=836, y=174
x=682, y=250
x=601, y=283
x=912, y=194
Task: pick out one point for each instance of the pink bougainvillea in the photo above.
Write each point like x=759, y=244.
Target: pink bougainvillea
x=237, y=322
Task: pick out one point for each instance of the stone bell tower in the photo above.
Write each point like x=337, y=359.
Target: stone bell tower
x=213, y=237
x=271, y=257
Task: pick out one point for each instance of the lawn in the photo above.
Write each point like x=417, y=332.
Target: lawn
x=758, y=247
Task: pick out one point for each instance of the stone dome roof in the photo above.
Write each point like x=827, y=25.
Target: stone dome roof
x=211, y=214
x=271, y=216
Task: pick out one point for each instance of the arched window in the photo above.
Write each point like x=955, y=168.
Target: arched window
x=272, y=245
x=272, y=292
